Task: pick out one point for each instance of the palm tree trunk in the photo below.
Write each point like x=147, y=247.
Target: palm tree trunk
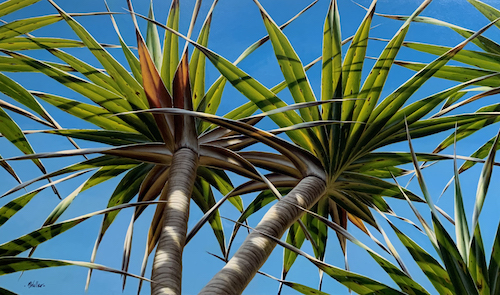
x=167, y=265
x=256, y=248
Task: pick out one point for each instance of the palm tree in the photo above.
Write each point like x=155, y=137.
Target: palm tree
x=332, y=167
x=164, y=154
x=180, y=142
x=346, y=151
x=464, y=268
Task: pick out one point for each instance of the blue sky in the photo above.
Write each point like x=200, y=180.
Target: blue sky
x=236, y=25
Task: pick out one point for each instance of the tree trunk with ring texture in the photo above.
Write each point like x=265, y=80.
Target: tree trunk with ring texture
x=256, y=248
x=167, y=265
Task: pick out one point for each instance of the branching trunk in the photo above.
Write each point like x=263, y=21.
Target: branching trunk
x=167, y=266
x=256, y=248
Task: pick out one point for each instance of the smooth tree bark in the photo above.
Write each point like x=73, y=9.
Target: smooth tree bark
x=256, y=248
x=167, y=265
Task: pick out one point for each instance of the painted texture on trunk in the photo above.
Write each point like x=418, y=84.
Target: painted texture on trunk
x=167, y=265
x=256, y=248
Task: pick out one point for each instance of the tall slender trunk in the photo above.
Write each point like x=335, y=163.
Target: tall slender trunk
x=167, y=265
x=256, y=248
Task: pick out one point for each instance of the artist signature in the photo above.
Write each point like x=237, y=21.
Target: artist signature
x=34, y=284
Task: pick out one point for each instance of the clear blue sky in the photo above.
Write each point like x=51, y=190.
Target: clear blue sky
x=236, y=25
